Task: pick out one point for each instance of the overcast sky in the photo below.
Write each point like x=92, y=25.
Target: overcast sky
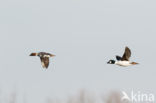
x=84, y=35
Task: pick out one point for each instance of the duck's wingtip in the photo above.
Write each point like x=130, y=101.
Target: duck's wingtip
x=33, y=54
x=52, y=55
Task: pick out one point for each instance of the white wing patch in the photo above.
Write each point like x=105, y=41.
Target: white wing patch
x=47, y=56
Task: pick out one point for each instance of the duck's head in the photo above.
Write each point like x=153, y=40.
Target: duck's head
x=111, y=62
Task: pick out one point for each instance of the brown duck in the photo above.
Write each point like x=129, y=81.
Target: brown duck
x=44, y=58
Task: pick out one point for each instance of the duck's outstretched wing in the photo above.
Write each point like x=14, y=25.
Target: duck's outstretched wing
x=33, y=54
x=126, y=55
x=51, y=55
x=118, y=57
x=45, y=62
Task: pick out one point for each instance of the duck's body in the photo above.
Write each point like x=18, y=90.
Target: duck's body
x=123, y=63
x=44, y=58
x=124, y=60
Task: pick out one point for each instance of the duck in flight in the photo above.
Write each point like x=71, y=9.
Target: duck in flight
x=124, y=60
x=44, y=57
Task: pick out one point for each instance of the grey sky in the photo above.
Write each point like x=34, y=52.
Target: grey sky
x=84, y=35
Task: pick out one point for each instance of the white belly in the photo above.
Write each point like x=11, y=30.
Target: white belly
x=123, y=63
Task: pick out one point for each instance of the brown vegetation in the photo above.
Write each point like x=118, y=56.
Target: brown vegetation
x=82, y=97
x=86, y=97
